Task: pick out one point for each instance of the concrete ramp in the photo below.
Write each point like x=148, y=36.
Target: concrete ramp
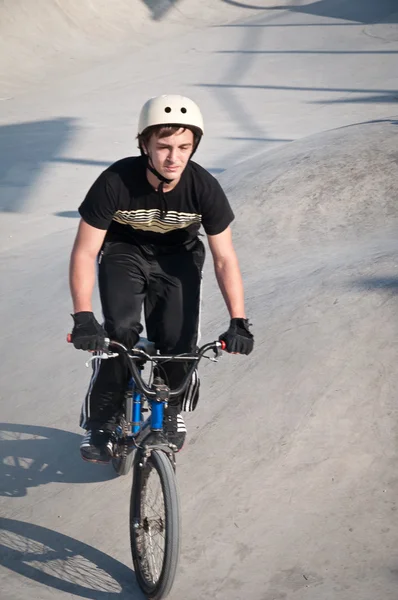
x=330, y=187
x=41, y=39
x=301, y=495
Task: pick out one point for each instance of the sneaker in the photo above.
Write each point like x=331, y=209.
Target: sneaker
x=96, y=446
x=174, y=427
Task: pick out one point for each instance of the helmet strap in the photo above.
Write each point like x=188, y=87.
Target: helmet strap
x=163, y=180
x=151, y=168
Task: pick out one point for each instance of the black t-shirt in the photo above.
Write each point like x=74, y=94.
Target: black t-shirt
x=123, y=202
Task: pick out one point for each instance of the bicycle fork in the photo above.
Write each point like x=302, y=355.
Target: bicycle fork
x=155, y=438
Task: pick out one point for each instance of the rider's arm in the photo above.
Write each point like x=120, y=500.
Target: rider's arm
x=227, y=272
x=82, y=269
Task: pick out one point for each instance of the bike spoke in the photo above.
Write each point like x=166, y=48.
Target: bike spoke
x=152, y=526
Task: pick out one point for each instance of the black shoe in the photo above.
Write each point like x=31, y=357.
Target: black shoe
x=174, y=427
x=97, y=446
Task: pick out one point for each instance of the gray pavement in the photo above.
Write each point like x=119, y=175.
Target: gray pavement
x=288, y=481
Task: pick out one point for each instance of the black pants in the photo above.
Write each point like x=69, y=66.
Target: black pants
x=168, y=286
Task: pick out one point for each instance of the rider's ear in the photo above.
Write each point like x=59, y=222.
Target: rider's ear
x=141, y=145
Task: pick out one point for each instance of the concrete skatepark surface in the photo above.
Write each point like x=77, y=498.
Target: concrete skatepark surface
x=288, y=481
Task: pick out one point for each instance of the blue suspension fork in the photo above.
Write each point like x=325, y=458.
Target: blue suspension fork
x=134, y=408
x=133, y=404
x=157, y=412
x=136, y=397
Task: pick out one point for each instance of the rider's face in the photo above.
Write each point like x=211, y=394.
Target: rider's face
x=170, y=155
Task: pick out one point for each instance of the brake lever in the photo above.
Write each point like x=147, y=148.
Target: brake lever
x=218, y=350
x=103, y=356
x=217, y=354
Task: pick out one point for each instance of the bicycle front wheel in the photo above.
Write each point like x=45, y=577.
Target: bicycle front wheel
x=154, y=524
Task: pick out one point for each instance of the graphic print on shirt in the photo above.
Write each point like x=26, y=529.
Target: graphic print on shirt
x=151, y=220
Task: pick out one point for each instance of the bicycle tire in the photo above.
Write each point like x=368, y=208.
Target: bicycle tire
x=123, y=463
x=141, y=524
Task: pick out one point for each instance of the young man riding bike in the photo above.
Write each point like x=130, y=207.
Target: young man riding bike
x=139, y=223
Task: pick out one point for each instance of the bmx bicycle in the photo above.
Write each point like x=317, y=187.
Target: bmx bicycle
x=140, y=444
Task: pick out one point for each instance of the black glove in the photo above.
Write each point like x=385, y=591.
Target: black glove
x=87, y=334
x=238, y=337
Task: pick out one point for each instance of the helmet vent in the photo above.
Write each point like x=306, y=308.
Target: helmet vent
x=167, y=109
x=183, y=110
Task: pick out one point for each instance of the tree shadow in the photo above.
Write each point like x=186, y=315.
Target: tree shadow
x=298, y=88
x=389, y=97
x=160, y=8
x=375, y=96
x=69, y=214
x=382, y=284
x=63, y=563
x=360, y=11
x=25, y=149
x=311, y=52
x=31, y=456
x=215, y=170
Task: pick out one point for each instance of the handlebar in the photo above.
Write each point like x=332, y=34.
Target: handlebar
x=137, y=354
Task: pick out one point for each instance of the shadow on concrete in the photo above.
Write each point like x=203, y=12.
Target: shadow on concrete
x=371, y=52
x=160, y=8
x=85, y=162
x=257, y=139
x=254, y=6
x=31, y=456
x=215, y=170
x=378, y=284
x=390, y=97
x=69, y=214
x=284, y=25
x=63, y=563
x=381, y=96
x=360, y=11
x=24, y=150
x=297, y=88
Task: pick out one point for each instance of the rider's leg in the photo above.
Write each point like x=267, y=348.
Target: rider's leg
x=172, y=312
x=122, y=278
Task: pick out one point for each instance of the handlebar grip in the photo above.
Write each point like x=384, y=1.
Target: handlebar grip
x=223, y=345
x=69, y=340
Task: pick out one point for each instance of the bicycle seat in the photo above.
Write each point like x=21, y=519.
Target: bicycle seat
x=146, y=346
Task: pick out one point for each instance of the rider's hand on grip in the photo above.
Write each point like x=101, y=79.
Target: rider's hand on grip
x=238, y=338
x=87, y=333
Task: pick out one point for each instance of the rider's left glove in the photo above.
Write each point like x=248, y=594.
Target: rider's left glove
x=87, y=334
x=238, y=338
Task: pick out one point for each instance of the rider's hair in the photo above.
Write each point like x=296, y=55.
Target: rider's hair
x=162, y=131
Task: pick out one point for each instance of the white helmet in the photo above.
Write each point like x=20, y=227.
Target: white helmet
x=171, y=110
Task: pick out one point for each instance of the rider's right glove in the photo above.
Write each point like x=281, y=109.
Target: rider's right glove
x=238, y=338
x=87, y=334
